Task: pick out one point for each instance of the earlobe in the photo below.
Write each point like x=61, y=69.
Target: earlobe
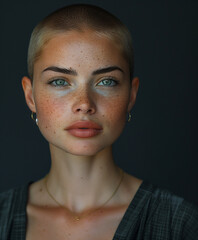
x=28, y=92
x=134, y=91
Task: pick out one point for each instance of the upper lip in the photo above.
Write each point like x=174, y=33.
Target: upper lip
x=84, y=124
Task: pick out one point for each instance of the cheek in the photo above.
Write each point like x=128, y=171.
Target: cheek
x=114, y=112
x=49, y=112
x=115, y=109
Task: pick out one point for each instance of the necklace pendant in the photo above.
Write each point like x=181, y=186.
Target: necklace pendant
x=77, y=218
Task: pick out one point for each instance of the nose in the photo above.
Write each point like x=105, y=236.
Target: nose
x=84, y=103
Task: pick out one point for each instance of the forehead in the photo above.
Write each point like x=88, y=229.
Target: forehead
x=87, y=48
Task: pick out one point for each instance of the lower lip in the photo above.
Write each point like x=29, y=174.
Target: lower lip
x=84, y=133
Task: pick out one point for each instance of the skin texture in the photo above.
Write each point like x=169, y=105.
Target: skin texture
x=79, y=176
x=58, y=108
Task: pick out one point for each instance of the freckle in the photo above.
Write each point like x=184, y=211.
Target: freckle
x=44, y=230
x=40, y=189
x=54, y=132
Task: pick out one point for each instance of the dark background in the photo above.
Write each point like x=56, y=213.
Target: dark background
x=160, y=143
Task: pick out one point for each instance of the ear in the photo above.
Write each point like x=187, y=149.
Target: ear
x=133, y=94
x=28, y=92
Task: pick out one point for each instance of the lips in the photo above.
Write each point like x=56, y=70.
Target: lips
x=84, y=129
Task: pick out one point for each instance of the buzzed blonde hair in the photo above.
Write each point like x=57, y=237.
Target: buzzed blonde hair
x=80, y=17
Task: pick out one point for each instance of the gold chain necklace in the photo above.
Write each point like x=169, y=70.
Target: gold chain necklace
x=77, y=218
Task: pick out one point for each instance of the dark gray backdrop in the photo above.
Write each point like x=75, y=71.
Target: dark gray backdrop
x=160, y=143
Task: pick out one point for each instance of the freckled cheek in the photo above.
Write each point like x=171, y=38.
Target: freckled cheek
x=115, y=110
x=49, y=112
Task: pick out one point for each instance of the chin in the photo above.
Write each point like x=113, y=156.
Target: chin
x=84, y=154
x=85, y=150
x=78, y=149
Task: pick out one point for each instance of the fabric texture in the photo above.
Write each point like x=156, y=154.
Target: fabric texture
x=153, y=214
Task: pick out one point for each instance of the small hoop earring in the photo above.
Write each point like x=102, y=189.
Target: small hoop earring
x=34, y=119
x=129, y=118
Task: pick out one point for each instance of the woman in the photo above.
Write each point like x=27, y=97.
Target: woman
x=80, y=89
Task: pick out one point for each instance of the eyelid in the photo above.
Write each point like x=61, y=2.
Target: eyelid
x=108, y=78
x=50, y=81
x=59, y=86
x=58, y=78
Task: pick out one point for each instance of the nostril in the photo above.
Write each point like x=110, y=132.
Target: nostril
x=84, y=107
x=90, y=110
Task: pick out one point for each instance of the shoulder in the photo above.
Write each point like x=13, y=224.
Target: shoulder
x=8, y=196
x=12, y=206
x=13, y=197
x=6, y=200
x=171, y=211
x=165, y=199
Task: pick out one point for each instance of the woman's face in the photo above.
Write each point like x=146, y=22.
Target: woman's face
x=80, y=77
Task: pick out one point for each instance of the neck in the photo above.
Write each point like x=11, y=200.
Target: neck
x=82, y=182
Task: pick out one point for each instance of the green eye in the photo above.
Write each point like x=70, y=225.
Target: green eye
x=59, y=83
x=107, y=82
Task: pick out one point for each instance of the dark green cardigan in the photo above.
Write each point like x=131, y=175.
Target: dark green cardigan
x=153, y=214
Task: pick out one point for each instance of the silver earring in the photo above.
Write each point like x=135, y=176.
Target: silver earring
x=33, y=118
x=129, y=118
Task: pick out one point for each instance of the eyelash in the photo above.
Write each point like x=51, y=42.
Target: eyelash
x=115, y=82
x=54, y=82
x=65, y=83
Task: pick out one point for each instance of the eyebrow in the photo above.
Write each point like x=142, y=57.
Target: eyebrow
x=74, y=73
x=61, y=70
x=106, y=70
